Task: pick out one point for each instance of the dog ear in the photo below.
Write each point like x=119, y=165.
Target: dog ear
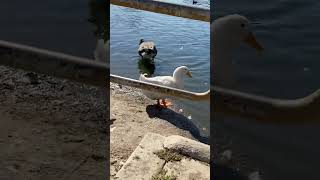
x=141, y=41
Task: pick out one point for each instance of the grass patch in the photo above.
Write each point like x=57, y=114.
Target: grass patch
x=163, y=176
x=168, y=155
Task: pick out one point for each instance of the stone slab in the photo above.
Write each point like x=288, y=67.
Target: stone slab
x=143, y=163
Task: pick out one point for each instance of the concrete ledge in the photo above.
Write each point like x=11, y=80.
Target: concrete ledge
x=188, y=147
x=144, y=163
x=188, y=169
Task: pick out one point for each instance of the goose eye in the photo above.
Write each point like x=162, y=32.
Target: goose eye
x=242, y=25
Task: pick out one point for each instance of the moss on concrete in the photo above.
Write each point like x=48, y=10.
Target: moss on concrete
x=163, y=176
x=168, y=155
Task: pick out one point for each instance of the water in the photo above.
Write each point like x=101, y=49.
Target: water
x=179, y=42
x=287, y=69
x=55, y=25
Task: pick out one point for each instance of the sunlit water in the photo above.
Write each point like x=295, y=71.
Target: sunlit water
x=179, y=42
x=289, y=68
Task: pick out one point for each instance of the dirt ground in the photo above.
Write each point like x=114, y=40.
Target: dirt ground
x=57, y=129
x=51, y=128
x=133, y=116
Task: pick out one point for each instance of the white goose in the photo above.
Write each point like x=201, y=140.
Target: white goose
x=228, y=33
x=175, y=81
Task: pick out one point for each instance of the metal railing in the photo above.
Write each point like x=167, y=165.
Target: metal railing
x=266, y=109
x=166, y=91
x=53, y=63
x=164, y=7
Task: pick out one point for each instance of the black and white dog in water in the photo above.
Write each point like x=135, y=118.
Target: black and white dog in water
x=147, y=49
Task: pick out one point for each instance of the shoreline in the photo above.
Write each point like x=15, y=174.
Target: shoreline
x=132, y=116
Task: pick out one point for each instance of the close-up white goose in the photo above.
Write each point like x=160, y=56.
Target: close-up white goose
x=227, y=34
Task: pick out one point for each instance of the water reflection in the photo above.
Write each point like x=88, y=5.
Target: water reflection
x=146, y=66
x=99, y=18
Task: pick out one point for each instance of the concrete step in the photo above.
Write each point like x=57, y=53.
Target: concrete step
x=172, y=157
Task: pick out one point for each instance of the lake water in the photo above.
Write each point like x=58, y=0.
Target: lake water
x=179, y=42
x=55, y=25
x=289, y=68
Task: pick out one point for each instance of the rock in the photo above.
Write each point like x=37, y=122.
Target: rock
x=188, y=147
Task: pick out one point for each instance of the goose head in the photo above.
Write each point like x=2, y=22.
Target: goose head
x=180, y=72
x=227, y=34
x=232, y=30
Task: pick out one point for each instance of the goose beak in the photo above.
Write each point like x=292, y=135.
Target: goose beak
x=252, y=42
x=189, y=74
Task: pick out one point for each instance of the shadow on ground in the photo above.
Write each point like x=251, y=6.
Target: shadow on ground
x=177, y=120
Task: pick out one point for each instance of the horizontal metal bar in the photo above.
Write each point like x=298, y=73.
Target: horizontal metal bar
x=240, y=104
x=266, y=109
x=52, y=63
x=165, y=7
x=166, y=91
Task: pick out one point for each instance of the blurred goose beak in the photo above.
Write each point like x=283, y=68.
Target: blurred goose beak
x=189, y=74
x=252, y=42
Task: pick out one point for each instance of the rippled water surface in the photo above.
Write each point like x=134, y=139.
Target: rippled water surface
x=179, y=42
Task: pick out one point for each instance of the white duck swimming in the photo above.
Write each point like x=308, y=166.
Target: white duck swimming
x=228, y=33
x=175, y=81
x=147, y=49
